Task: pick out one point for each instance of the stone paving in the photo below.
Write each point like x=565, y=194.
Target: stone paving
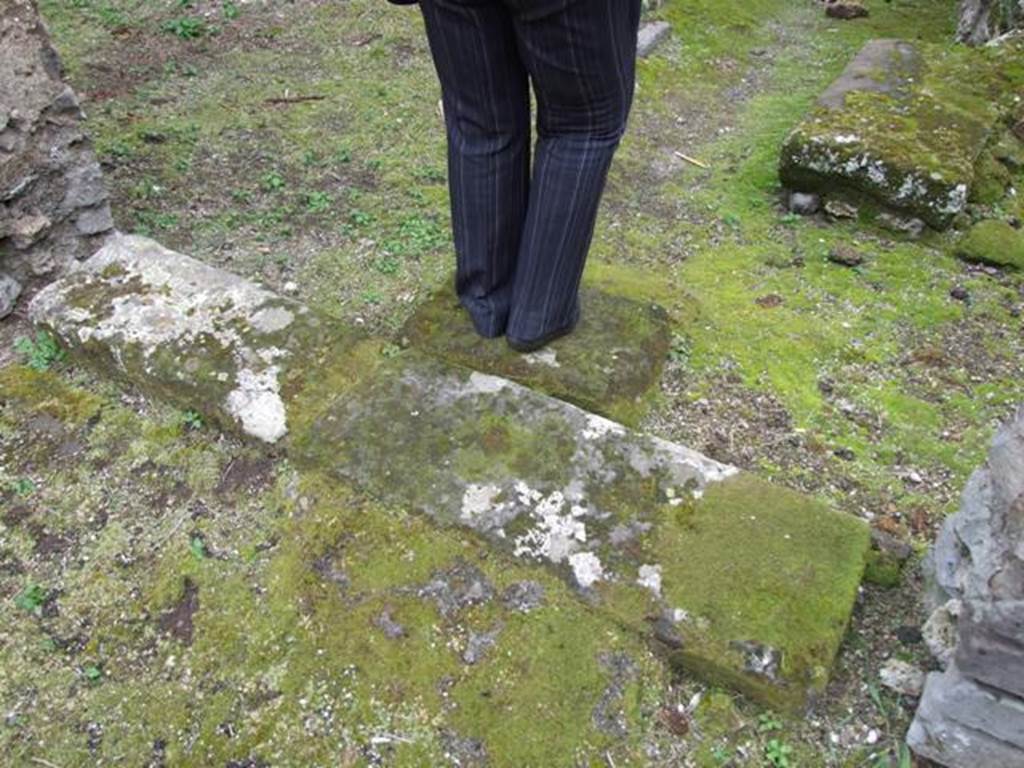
x=738, y=581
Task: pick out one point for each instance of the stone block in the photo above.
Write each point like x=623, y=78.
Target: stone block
x=198, y=336
x=737, y=581
x=609, y=365
x=902, y=127
x=742, y=583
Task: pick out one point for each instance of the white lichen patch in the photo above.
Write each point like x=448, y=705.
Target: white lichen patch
x=649, y=576
x=257, y=404
x=477, y=502
x=485, y=384
x=556, y=534
x=586, y=568
x=547, y=357
x=271, y=319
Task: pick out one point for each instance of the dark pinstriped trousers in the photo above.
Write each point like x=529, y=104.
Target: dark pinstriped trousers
x=521, y=238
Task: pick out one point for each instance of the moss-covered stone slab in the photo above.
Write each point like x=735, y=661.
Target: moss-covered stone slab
x=742, y=583
x=904, y=126
x=198, y=336
x=609, y=365
x=993, y=242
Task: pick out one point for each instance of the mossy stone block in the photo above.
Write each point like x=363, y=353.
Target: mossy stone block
x=647, y=530
x=609, y=365
x=903, y=126
x=761, y=582
x=993, y=242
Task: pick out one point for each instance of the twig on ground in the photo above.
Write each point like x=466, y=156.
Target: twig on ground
x=293, y=99
x=692, y=160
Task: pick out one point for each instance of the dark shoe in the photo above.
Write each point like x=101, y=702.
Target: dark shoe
x=532, y=345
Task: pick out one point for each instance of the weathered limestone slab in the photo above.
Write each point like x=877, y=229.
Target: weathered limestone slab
x=741, y=583
x=903, y=126
x=201, y=337
x=609, y=365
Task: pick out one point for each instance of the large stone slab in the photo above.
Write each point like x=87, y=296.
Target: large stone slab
x=201, y=337
x=740, y=582
x=903, y=126
x=609, y=365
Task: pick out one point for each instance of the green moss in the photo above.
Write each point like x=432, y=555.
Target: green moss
x=993, y=242
x=47, y=392
x=883, y=570
x=991, y=179
x=608, y=365
x=765, y=566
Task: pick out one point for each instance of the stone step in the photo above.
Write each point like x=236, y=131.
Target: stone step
x=904, y=126
x=738, y=581
x=609, y=365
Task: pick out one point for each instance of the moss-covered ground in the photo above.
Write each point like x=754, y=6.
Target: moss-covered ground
x=161, y=599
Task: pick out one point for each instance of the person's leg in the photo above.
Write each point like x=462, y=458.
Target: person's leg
x=581, y=55
x=487, y=112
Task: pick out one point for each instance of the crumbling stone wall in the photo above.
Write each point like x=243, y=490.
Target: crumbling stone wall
x=53, y=203
x=972, y=713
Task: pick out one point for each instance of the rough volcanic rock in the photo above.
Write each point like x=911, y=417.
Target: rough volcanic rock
x=972, y=713
x=53, y=203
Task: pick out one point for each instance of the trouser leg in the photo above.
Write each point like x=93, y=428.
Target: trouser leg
x=581, y=56
x=487, y=114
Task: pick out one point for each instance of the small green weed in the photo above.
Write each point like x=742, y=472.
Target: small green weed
x=768, y=722
x=31, y=599
x=147, y=221
x=272, y=181
x=41, y=353
x=318, y=202
x=777, y=753
x=192, y=420
x=387, y=265
x=185, y=27
x=680, y=350
x=361, y=218
x=197, y=547
x=24, y=487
